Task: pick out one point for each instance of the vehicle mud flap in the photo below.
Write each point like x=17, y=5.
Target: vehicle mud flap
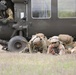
x=17, y=44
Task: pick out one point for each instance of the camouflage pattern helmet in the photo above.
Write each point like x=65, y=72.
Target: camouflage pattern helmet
x=54, y=40
x=55, y=37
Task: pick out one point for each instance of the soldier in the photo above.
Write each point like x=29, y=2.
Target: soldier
x=2, y=8
x=8, y=13
x=56, y=47
x=68, y=42
x=9, y=10
x=38, y=44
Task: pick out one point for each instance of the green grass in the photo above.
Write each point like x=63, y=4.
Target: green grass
x=65, y=14
x=37, y=64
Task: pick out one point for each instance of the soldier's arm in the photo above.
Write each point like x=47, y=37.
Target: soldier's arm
x=30, y=47
x=44, y=43
x=50, y=50
x=10, y=14
x=61, y=50
x=61, y=47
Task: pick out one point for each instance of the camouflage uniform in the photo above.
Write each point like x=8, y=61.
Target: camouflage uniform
x=8, y=12
x=68, y=42
x=38, y=44
x=56, y=47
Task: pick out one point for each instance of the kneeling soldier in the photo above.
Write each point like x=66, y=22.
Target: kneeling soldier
x=38, y=44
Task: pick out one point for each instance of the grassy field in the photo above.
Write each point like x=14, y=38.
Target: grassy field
x=37, y=64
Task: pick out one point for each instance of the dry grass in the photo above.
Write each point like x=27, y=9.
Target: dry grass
x=37, y=64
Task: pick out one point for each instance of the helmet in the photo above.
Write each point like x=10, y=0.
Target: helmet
x=55, y=37
x=36, y=40
x=54, y=40
x=3, y=1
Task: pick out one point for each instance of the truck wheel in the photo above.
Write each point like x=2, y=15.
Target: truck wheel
x=17, y=44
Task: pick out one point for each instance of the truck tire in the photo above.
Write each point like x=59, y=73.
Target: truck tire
x=17, y=44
